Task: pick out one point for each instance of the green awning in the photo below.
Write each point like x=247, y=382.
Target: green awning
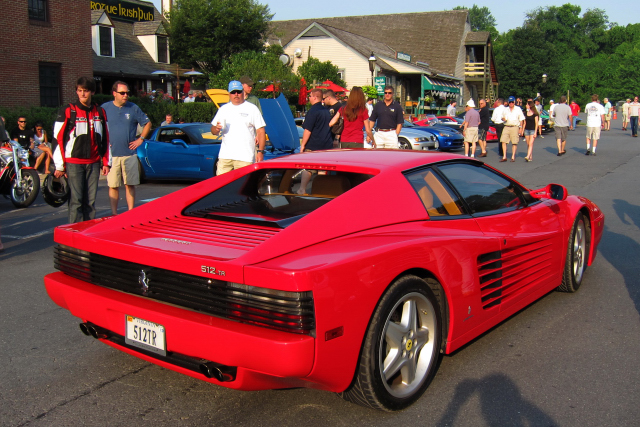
x=439, y=85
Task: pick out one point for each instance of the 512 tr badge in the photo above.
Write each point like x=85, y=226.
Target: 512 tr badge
x=212, y=270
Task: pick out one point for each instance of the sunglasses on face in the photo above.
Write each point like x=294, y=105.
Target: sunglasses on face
x=388, y=93
x=22, y=121
x=123, y=93
x=235, y=92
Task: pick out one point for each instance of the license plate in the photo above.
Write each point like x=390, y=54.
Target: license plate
x=145, y=335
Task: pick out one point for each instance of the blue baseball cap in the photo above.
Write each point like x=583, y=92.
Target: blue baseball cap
x=512, y=99
x=235, y=85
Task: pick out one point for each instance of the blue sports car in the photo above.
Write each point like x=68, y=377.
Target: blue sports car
x=189, y=151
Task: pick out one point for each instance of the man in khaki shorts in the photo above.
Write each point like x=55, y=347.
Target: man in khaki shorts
x=513, y=128
x=241, y=125
x=470, y=129
x=123, y=118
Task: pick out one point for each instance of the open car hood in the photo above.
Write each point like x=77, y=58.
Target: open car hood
x=281, y=128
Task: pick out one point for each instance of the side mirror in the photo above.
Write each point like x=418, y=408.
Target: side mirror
x=551, y=191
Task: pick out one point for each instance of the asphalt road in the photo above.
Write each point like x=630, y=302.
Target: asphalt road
x=567, y=360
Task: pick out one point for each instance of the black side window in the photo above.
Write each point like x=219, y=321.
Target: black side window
x=482, y=189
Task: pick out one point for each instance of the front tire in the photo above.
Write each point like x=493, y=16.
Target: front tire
x=401, y=349
x=23, y=196
x=577, y=255
x=403, y=144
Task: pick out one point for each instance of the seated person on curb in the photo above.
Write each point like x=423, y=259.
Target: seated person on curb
x=41, y=148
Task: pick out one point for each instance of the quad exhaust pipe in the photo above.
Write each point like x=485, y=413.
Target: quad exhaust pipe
x=219, y=372
x=222, y=373
x=91, y=331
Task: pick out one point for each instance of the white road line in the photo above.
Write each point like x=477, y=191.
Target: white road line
x=29, y=236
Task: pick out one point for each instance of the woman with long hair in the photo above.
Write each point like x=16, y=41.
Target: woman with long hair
x=41, y=148
x=355, y=116
x=530, y=127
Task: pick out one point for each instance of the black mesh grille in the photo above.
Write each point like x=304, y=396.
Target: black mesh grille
x=282, y=310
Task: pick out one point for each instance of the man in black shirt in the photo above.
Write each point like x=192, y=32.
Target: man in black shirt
x=317, y=133
x=388, y=114
x=483, y=128
x=332, y=104
x=23, y=135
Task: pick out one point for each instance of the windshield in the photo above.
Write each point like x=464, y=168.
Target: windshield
x=203, y=131
x=274, y=197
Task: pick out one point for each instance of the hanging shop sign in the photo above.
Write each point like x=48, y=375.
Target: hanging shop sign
x=124, y=11
x=380, y=83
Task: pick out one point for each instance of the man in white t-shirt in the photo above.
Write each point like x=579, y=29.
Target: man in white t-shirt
x=240, y=123
x=595, y=118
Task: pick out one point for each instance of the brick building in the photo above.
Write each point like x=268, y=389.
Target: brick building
x=43, y=51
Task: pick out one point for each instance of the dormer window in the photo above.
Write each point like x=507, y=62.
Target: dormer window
x=163, y=49
x=105, y=37
x=102, y=34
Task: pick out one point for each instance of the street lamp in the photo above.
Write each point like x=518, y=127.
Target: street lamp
x=372, y=66
x=544, y=78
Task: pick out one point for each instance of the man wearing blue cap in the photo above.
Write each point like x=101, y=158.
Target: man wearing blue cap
x=241, y=124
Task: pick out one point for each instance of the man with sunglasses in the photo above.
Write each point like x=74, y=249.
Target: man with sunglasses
x=388, y=115
x=124, y=118
x=22, y=134
x=240, y=124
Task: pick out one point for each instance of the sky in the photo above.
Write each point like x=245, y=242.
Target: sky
x=508, y=14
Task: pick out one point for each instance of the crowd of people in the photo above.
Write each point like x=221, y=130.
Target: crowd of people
x=512, y=122
x=94, y=140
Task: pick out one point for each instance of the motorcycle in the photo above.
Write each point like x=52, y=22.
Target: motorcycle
x=18, y=181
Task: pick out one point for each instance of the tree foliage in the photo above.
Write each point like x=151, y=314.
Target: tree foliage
x=206, y=32
x=581, y=53
x=315, y=71
x=264, y=68
x=481, y=19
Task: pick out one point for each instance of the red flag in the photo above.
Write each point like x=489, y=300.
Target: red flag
x=187, y=87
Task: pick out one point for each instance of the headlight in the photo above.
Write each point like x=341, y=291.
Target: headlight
x=433, y=138
x=445, y=134
x=421, y=139
x=23, y=154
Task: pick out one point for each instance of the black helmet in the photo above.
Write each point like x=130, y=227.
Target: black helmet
x=55, y=191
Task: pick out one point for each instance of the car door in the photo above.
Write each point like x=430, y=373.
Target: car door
x=465, y=262
x=174, y=154
x=527, y=230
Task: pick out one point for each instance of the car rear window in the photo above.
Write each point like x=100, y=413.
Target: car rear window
x=275, y=197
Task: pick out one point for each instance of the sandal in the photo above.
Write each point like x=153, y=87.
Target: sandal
x=503, y=160
x=513, y=160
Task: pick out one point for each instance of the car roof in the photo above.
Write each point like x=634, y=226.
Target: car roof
x=381, y=159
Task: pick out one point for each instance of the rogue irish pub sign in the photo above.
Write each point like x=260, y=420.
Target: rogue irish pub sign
x=123, y=10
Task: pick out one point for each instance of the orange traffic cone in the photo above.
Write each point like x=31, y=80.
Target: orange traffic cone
x=615, y=115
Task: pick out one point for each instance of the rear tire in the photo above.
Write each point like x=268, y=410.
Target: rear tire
x=24, y=196
x=577, y=255
x=401, y=349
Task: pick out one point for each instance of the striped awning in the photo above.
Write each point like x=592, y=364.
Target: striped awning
x=439, y=85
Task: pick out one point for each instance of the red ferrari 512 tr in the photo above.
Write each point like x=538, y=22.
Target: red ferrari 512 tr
x=350, y=271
